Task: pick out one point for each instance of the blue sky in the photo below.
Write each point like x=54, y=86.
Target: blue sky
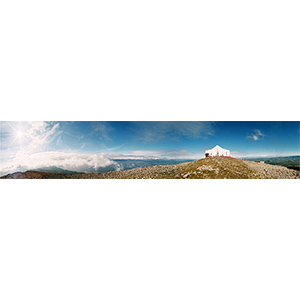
x=84, y=146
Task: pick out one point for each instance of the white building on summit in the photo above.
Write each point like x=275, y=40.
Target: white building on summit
x=217, y=151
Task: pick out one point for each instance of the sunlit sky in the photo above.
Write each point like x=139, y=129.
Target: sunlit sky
x=85, y=146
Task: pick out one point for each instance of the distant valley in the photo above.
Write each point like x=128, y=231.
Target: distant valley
x=291, y=162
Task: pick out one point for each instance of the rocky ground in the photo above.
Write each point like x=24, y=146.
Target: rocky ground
x=208, y=168
x=266, y=171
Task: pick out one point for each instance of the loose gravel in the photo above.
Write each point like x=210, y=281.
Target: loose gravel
x=266, y=171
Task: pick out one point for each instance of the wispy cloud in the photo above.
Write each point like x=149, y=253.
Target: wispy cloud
x=74, y=136
x=240, y=153
x=40, y=134
x=171, y=130
x=256, y=136
x=104, y=148
x=115, y=148
x=102, y=129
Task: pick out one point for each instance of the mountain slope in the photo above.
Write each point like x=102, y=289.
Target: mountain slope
x=208, y=168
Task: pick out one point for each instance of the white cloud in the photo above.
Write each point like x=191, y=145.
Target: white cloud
x=160, y=154
x=256, y=136
x=67, y=161
x=41, y=133
x=34, y=135
x=77, y=162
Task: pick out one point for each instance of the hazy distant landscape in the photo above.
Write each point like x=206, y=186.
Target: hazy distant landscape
x=119, y=165
x=291, y=162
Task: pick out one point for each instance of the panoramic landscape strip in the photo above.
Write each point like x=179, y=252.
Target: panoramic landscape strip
x=150, y=150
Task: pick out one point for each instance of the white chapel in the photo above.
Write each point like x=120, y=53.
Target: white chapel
x=217, y=151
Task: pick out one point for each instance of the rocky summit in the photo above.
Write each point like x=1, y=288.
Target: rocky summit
x=207, y=168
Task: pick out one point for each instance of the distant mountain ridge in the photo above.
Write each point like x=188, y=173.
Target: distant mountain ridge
x=56, y=170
